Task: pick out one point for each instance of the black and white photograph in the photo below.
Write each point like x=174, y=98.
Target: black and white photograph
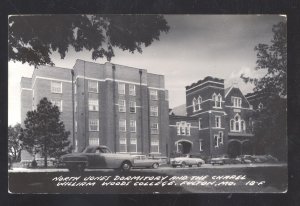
x=147, y=104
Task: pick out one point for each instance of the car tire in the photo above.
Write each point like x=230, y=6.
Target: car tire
x=155, y=165
x=126, y=166
x=199, y=164
x=183, y=164
x=76, y=168
x=190, y=165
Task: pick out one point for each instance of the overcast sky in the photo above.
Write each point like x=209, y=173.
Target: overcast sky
x=195, y=47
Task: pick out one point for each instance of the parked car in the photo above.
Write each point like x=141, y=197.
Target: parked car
x=219, y=160
x=186, y=161
x=97, y=157
x=141, y=161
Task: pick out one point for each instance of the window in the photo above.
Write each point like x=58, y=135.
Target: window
x=75, y=106
x=93, y=105
x=75, y=88
x=216, y=139
x=188, y=129
x=200, y=145
x=56, y=87
x=92, y=86
x=75, y=126
x=58, y=103
x=237, y=124
x=121, y=88
x=122, y=105
x=220, y=138
x=218, y=100
x=132, y=90
x=132, y=125
x=154, y=145
x=197, y=104
x=132, y=107
x=154, y=128
x=183, y=128
x=122, y=125
x=154, y=111
x=123, y=143
x=133, y=143
x=237, y=101
x=153, y=94
x=93, y=125
x=200, y=124
x=93, y=141
x=218, y=121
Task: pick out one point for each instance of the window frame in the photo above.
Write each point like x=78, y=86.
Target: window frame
x=130, y=106
x=96, y=139
x=157, y=143
x=92, y=106
x=218, y=121
x=153, y=95
x=122, y=108
x=154, y=130
x=132, y=90
x=152, y=112
x=97, y=125
x=53, y=88
x=60, y=107
x=134, y=125
x=124, y=121
x=121, y=140
x=90, y=88
x=121, y=88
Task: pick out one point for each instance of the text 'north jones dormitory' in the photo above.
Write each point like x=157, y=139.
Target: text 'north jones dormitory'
x=127, y=109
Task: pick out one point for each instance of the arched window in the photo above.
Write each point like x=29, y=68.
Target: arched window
x=236, y=124
x=217, y=99
x=194, y=104
x=199, y=101
x=243, y=126
x=232, y=125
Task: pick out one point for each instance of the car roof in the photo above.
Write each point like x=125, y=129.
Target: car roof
x=101, y=146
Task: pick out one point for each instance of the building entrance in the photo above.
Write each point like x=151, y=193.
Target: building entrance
x=184, y=146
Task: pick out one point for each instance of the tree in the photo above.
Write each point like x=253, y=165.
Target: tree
x=14, y=142
x=32, y=39
x=44, y=133
x=270, y=122
x=272, y=59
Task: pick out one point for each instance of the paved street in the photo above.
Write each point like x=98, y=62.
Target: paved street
x=209, y=179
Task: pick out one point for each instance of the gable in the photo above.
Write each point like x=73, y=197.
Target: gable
x=236, y=92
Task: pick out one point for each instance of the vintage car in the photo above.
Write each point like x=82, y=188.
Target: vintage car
x=97, y=157
x=141, y=161
x=186, y=160
x=219, y=160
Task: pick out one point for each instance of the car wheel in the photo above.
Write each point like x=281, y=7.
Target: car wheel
x=190, y=165
x=183, y=164
x=126, y=166
x=199, y=164
x=155, y=165
x=80, y=167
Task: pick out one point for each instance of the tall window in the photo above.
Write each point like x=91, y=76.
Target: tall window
x=166, y=95
x=188, y=129
x=75, y=106
x=218, y=121
x=237, y=101
x=154, y=111
x=121, y=88
x=154, y=128
x=122, y=105
x=56, y=87
x=133, y=142
x=123, y=143
x=132, y=107
x=93, y=105
x=75, y=126
x=200, y=145
x=216, y=140
x=92, y=86
x=153, y=94
x=197, y=104
x=58, y=103
x=132, y=90
x=122, y=125
x=154, y=145
x=93, y=125
x=94, y=141
x=200, y=124
x=218, y=100
x=75, y=88
x=221, y=138
x=237, y=124
x=132, y=125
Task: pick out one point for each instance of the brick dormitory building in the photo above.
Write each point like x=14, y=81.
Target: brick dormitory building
x=127, y=109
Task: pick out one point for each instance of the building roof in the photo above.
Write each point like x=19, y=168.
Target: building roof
x=179, y=110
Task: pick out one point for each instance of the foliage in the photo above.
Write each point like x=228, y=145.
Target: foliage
x=272, y=59
x=270, y=123
x=44, y=133
x=14, y=142
x=32, y=38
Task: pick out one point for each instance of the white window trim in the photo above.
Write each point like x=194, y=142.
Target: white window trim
x=60, y=102
x=124, y=124
x=154, y=111
x=218, y=123
x=217, y=137
x=132, y=92
x=158, y=143
x=240, y=120
x=155, y=95
x=154, y=129
x=131, y=126
x=97, y=124
x=123, y=144
x=89, y=83
x=236, y=102
x=215, y=98
x=91, y=106
x=222, y=138
x=60, y=92
x=122, y=108
x=132, y=107
x=133, y=144
x=123, y=89
x=200, y=123
x=201, y=145
x=94, y=138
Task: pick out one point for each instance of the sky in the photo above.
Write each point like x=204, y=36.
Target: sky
x=196, y=46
